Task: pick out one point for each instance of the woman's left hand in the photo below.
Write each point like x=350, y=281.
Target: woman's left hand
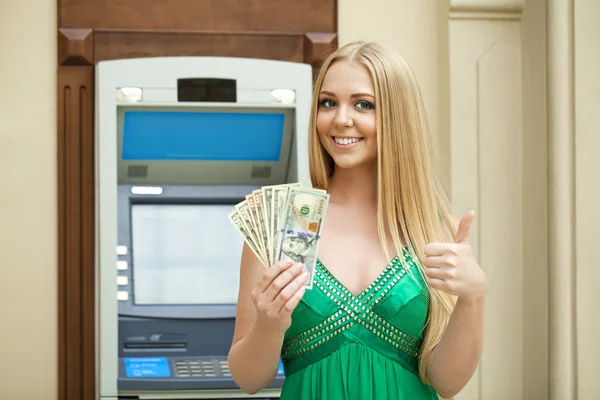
x=452, y=268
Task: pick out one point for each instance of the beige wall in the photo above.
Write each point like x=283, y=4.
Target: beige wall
x=526, y=130
x=586, y=182
x=28, y=280
x=534, y=223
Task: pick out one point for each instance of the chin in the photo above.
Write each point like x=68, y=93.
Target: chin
x=346, y=162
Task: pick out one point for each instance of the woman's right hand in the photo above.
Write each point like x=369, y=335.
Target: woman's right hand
x=277, y=294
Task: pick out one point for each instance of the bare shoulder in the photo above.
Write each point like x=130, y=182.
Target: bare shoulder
x=251, y=270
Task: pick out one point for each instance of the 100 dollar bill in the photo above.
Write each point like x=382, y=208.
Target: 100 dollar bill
x=300, y=228
x=279, y=196
x=236, y=218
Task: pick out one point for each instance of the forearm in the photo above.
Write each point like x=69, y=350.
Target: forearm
x=455, y=358
x=254, y=360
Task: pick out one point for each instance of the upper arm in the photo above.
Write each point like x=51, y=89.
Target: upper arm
x=251, y=270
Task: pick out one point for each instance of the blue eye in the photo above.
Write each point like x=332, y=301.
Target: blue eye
x=364, y=105
x=327, y=103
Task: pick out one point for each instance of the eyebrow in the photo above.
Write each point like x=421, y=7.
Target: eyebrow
x=361, y=94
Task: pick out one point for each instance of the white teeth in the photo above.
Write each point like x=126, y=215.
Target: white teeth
x=347, y=140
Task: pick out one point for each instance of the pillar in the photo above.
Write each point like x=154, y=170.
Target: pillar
x=486, y=159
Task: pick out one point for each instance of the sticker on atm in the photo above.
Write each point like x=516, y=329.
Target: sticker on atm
x=151, y=367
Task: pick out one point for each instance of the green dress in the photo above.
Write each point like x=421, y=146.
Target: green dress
x=343, y=346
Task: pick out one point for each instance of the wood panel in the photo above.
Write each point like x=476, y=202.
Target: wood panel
x=76, y=232
x=75, y=46
x=110, y=45
x=317, y=46
x=90, y=31
x=218, y=15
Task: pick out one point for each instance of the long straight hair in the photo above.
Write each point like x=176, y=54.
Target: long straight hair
x=411, y=202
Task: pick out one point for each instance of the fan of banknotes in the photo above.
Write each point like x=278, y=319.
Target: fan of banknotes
x=283, y=222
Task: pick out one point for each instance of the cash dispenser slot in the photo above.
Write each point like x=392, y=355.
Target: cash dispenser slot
x=155, y=346
x=156, y=341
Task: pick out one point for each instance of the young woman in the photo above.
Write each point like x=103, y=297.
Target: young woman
x=396, y=310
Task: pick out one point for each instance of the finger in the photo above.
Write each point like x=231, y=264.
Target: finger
x=448, y=286
x=441, y=273
x=292, y=303
x=271, y=273
x=281, y=281
x=439, y=249
x=288, y=292
x=443, y=261
x=462, y=235
x=436, y=283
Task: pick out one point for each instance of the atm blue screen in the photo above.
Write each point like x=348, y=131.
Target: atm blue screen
x=147, y=367
x=207, y=136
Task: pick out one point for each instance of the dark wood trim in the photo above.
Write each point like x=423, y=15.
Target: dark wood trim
x=199, y=32
x=118, y=45
x=76, y=233
x=317, y=46
x=75, y=46
x=61, y=223
x=229, y=15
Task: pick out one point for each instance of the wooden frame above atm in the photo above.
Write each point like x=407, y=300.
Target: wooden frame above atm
x=90, y=31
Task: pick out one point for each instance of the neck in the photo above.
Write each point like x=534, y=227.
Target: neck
x=357, y=186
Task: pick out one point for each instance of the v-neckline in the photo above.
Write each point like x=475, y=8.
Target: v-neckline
x=366, y=290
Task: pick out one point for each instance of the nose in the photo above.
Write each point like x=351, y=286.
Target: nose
x=343, y=117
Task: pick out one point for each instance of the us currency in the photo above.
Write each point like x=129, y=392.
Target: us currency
x=246, y=220
x=301, y=224
x=261, y=223
x=279, y=199
x=255, y=225
x=267, y=195
x=235, y=218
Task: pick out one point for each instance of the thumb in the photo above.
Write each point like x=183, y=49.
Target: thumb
x=462, y=235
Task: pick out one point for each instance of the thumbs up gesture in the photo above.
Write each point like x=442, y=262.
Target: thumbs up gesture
x=452, y=268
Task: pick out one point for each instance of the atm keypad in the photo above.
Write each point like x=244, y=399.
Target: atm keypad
x=201, y=368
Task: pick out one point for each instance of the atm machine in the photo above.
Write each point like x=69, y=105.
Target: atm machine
x=179, y=142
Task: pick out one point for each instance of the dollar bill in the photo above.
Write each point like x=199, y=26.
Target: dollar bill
x=255, y=225
x=300, y=228
x=246, y=219
x=279, y=199
x=235, y=218
x=261, y=223
x=267, y=195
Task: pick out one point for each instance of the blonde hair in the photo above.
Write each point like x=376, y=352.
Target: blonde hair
x=406, y=161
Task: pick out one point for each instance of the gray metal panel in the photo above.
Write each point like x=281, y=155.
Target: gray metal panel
x=195, y=172
x=106, y=239
x=186, y=342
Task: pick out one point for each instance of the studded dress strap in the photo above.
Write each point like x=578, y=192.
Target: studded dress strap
x=354, y=313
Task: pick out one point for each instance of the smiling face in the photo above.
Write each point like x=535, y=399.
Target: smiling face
x=346, y=120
